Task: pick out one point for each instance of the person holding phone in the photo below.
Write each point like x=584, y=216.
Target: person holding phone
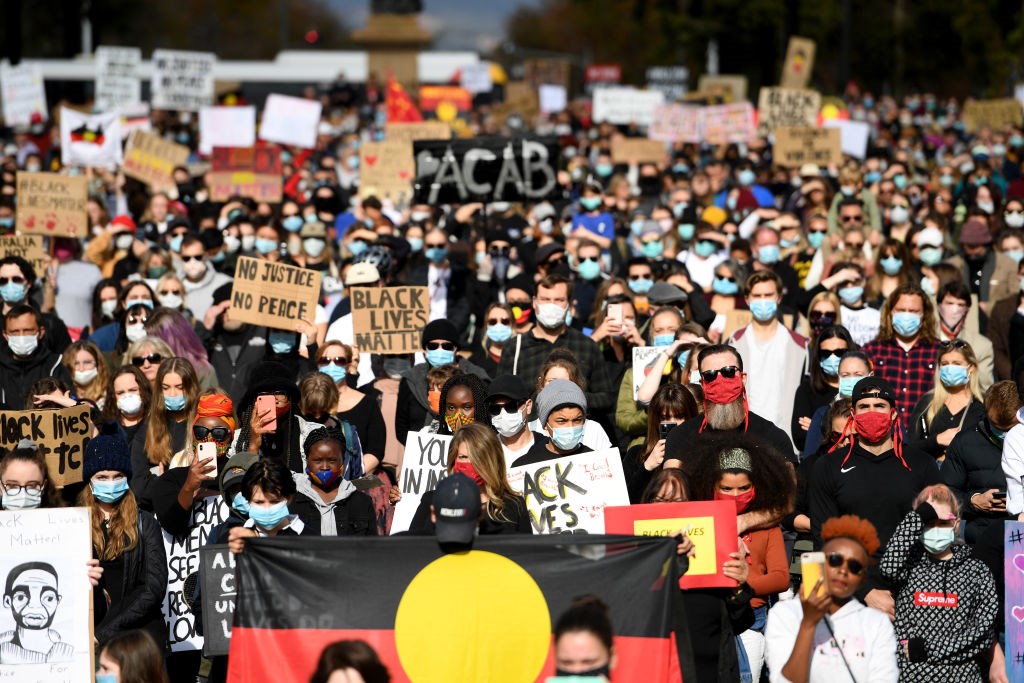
x=672, y=405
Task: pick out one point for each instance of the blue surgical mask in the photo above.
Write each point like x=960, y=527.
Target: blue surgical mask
x=686, y=231
x=846, y=385
x=900, y=181
x=293, y=223
x=590, y=203
x=7, y=222
x=499, y=334
x=906, y=324
x=334, y=372
x=636, y=227
x=705, y=248
x=240, y=505
x=13, y=292
x=683, y=358
x=106, y=678
x=439, y=357
x=174, y=403
x=953, y=375
x=663, y=339
x=786, y=244
x=830, y=365
x=946, y=180
x=567, y=438
x=930, y=256
x=175, y=243
x=265, y=246
x=746, y=177
x=1016, y=254
x=436, y=254
x=589, y=270
x=938, y=539
x=640, y=286
x=110, y=491
x=415, y=244
x=768, y=254
x=725, y=287
x=281, y=342
x=891, y=265
x=816, y=238
x=653, y=249
x=268, y=517
x=764, y=309
x=929, y=288
x=851, y=295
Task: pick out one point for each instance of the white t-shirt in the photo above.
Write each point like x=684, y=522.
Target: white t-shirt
x=702, y=270
x=862, y=323
x=764, y=375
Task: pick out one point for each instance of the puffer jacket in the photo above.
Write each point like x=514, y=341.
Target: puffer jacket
x=951, y=604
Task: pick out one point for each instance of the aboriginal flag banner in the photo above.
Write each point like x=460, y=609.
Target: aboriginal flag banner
x=481, y=615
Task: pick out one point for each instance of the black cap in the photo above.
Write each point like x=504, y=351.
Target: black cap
x=508, y=386
x=871, y=387
x=456, y=509
x=546, y=252
x=212, y=238
x=666, y=293
x=439, y=329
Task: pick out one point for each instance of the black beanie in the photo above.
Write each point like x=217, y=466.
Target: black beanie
x=108, y=450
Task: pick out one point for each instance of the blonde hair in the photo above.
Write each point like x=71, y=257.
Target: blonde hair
x=168, y=277
x=940, y=493
x=939, y=394
x=832, y=299
x=122, y=528
x=156, y=343
x=489, y=461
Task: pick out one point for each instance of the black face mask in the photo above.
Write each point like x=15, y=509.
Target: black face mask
x=599, y=671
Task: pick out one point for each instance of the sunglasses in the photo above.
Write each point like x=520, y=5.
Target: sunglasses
x=186, y=259
x=726, y=278
x=595, y=259
x=634, y=278
x=500, y=251
x=17, y=279
x=818, y=315
x=168, y=292
x=153, y=358
x=436, y=245
x=555, y=261
x=498, y=321
x=855, y=567
x=855, y=245
x=729, y=371
x=953, y=344
x=511, y=408
x=221, y=434
x=828, y=353
x=818, y=231
x=340, y=361
x=850, y=219
x=434, y=346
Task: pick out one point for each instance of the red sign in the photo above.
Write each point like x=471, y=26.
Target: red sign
x=265, y=160
x=712, y=528
x=603, y=73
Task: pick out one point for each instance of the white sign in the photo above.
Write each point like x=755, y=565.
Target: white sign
x=23, y=93
x=183, y=562
x=117, y=77
x=290, y=120
x=569, y=494
x=425, y=463
x=226, y=127
x=552, y=98
x=643, y=358
x=182, y=80
x=46, y=617
x=477, y=77
x=90, y=140
x=853, y=136
x=626, y=105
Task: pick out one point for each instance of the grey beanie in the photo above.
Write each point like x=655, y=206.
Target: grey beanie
x=559, y=392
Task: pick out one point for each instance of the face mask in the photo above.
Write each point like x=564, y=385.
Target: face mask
x=175, y=243
x=293, y=223
x=12, y=292
x=768, y=254
x=653, y=249
x=436, y=254
x=327, y=480
x=240, y=505
x=746, y=177
x=269, y=516
x=899, y=215
x=508, y=425
x=953, y=375
x=249, y=243
x=281, y=342
x=873, y=427
x=872, y=177
x=336, y=374
x=665, y=224
x=499, y=334
x=598, y=672
x=264, y=245
x=723, y=390
x=900, y=181
x=764, y=310
x=946, y=180
x=129, y=404
x=27, y=499
x=927, y=286
x=294, y=245
x=1016, y=254
x=7, y=223
x=546, y=226
x=467, y=468
x=457, y=421
x=640, y=286
x=314, y=246
x=725, y=287
x=786, y=244
x=434, y=400
x=816, y=239
x=851, y=295
x=23, y=345
x=636, y=227
x=567, y=438
x=986, y=206
x=705, y=249
x=686, y=231
x=415, y=244
x=906, y=324
x=603, y=170
x=108, y=307
x=83, y=377
x=170, y=300
x=419, y=216
x=891, y=265
x=232, y=243
x=664, y=339
x=439, y=357
x=590, y=203
x=135, y=332
x=33, y=167
x=846, y=385
x=742, y=501
x=110, y=491
x=731, y=203
x=930, y=255
x=937, y=539
x=174, y=403
x=124, y=242
x=552, y=316
x=589, y=270
x=830, y=365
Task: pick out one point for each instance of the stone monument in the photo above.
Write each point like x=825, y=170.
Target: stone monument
x=392, y=38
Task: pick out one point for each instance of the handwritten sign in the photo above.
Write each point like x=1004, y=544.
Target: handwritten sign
x=787, y=108
x=23, y=93
x=117, y=77
x=425, y=464
x=61, y=435
x=386, y=169
x=796, y=71
x=28, y=247
x=712, y=528
x=520, y=98
x=723, y=124
x=670, y=80
x=676, y=123
x=52, y=204
x=420, y=130
x=290, y=120
x=853, y=136
x=389, y=320
x=993, y=114
x=254, y=172
x=151, y=159
x=273, y=294
x=644, y=358
x=217, y=577
x=537, y=72
x=569, y=494
x=732, y=87
x=624, y=106
x=226, y=127
x=797, y=146
x=637, y=150
x=182, y=80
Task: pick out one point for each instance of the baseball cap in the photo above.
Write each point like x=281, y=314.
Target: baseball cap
x=456, y=509
x=663, y=293
x=870, y=387
x=508, y=386
x=361, y=274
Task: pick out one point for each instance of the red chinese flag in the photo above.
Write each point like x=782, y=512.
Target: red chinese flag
x=400, y=106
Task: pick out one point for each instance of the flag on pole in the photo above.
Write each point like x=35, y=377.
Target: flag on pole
x=400, y=106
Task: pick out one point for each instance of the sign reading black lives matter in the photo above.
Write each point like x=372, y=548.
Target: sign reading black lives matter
x=486, y=169
x=390, y=319
x=61, y=435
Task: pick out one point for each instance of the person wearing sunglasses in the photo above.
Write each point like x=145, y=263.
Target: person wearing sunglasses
x=24, y=359
x=946, y=600
x=200, y=280
x=508, y=407
x=828, y=634
x=17, y=279
x=146, y=354
x=360, y=410
x=820, y=386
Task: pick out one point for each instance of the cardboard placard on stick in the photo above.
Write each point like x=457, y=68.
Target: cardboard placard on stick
x=796, y=71
x=676, y=123
x=536, y=72
x=52, y=204
x=786, y=108
x=993, y=114
x=273, y=294
x=797, y=146
x=637, y=150
x=723, y=124
x=61, y=435
x=386, y=169
x=28, y=247
x=389, y=320
x=421, y=130
x=730, y=86
x=151, y=159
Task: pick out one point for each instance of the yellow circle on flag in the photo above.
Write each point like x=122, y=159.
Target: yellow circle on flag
x=446, y=111
x=829, y=112
x=472, y=616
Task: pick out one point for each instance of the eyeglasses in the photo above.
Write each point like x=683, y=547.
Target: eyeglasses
x=498, y=321
x=17, y=279
x=32, y=488
x=511, y=408
x=850, y=219
x=828, y=353
x=729, y=371
x=340, y=361
x=153, y=358
x=197, y=257
x=434, y=346
x=221, y=434
x=855, y=567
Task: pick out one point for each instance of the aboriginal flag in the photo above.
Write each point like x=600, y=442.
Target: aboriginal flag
x=475, y=616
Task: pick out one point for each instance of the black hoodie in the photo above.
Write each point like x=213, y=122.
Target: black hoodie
x=17, y=375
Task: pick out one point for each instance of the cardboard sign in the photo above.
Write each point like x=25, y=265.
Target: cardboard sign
x=23, y=93
x=644, y=357
x=853, y=136
x=273, y=294
x=60, y=434
x=485, y=169
x=421, y=130
x=217, y=578
x=389, y=320
x=727, y=123
x=290, y=120
x=28, y=247
x=424, y=465
x=266, y=160
x=602, y=74
x=46, y=550
x=676, y=123
x=246, y=171
x=624, y=106
x=637, y=150
x=386, y=169
x=536, y=72
x=90, y=140
x=569, y=494
x=993, y=114
x=712, y=528
x=476, y=78
x=52, y=204
x=182, y=80
x=670, y=80
x=797, y=146
x=151, y=159
x=796, y=71
x=226, y=127
x=786, y=108
x=730, y=86
x=117, y=77
x=134, y=117
x=520, y=98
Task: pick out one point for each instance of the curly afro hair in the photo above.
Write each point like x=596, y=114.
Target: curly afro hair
x=773, y=478
x=854, y=528
x=476, y=386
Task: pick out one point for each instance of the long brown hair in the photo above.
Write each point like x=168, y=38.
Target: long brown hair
x=51, y=499
x=928, y=333
x=138, y=656
x=486, y=455
x=158, y=436
x=94, y=392
x=122, y=527
x=673, y=400
x=110, y=410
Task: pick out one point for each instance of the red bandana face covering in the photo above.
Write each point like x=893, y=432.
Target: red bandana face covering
x=742, y=501
x=724, y=390
x=873, y=427
x=466, y=467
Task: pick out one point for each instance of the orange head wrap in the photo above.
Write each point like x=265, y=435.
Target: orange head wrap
x=217, y=405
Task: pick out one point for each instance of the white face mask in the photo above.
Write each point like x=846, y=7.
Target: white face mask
x=135, y=332
x=23, y=346
x=108, y=307
x=231, y=243
x=124, y=242
x=314, y=246
x=551, y=316
x=83, y=377
x=129, y=404
x=509, y=425
x=170, y=300
x=248, y=242
x=27, y=499
x=194, y=269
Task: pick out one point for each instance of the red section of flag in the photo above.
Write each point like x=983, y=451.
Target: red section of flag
x=400, y=106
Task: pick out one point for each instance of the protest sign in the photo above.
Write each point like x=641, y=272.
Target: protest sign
x=90, y=140
x=425, y=464
x=786, y=108
x=290, y=120
x=226, y=127
x=520, y=98
x=245, y=171
x=476, y=78
x=60, y=434
x=389, y=320
x=853, y=136
x=712, y=528
x=485, y=169
x=134, y=117
x=797, y=146
x=151, y=159
x=597, y=76
x=28, y=247
x=552, y=98
x=624, y=106
x=182, y=80
x=117, y=77
x=1013, y=558
x=732, y=87
x=637, y=150
x=52, y=204
x=23, y=93
x=386, y=169
x=670, y=80
x=643, y=358
x=273, y=294
x=420, y=130
x=47, y=550
x=183, y=571
x=264, y=160
x=536, y=72
x=796, y=71
x=569, y=494
x=993, y=114
x=723, y=124
x=676, y=123
x=217, y=578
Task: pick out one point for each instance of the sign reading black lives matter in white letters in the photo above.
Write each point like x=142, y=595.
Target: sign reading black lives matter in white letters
x=44, y=616
x=486, y=169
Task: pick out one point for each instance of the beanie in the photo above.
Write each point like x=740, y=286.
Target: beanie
x=440, y=329
x=108, y=450
x=559, y=392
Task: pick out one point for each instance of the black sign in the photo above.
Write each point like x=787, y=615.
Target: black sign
x=217, y=573
x=485, y=170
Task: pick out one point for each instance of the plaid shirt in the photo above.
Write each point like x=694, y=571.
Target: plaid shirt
x=911, y=373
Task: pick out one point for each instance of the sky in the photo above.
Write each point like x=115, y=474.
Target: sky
x=476, y=25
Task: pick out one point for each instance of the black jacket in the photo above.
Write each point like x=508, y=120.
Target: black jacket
x=353, y=516
x=518, y=519
x=973, y=465
x=413, y=411
x=686, y=433
x=18, y=375
x=233, y=371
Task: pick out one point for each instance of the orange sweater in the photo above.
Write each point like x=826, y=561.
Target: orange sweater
x=769, y=567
